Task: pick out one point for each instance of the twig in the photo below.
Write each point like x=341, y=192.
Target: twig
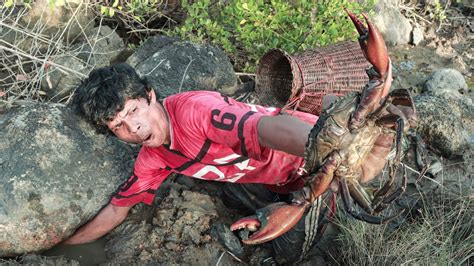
x=151, y=71
x=235, y=257
x=184, y=75
x=417, y=172
x=220, y=258
x=415, y=14
x=145, y=30
x=27, y=33
x=230, y=253
x=21, y=53
x=245, y=74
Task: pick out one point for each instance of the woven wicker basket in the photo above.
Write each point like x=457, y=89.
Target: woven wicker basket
x=300, y=81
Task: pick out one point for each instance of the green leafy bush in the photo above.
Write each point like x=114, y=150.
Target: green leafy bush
x=139, y=10
x=246, y=29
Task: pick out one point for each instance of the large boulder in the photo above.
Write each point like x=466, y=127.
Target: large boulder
x=445, y=124
x=56, y=174
x=173, y=66
x=446, y=81
x=395, y=28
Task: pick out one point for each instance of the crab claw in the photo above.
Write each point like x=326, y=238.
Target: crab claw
x=372, y=44
x=375, y=51
x=271, y=221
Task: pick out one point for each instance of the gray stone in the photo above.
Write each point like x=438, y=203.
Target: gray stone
x=394, y=27
x=444, y=125
x=228, y=238
x=56, y=174
x=446, y=80
x=152, y=45
x=100, y=47
x=174, y=66
x=69, y=20
x=416, y=36
x=59, y=83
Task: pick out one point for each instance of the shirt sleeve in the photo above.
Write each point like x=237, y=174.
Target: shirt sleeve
x=142, y=185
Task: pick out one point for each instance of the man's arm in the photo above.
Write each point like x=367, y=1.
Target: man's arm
x=284, y=133
x=288, y=134
x=106, y=220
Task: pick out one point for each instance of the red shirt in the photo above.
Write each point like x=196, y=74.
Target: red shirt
x=213, y=137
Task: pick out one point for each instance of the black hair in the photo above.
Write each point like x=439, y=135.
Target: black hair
x=100, y=96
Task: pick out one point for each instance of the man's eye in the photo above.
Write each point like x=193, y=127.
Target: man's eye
x=118, y=126
x=134, y=109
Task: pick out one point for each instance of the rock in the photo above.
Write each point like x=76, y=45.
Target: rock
x=173, y=66
x=179, y=233
x=99, y=47
x=59, y=83
x=69, y=17
x=444, y=124
x=394, y=27
x=445, y=81
x=228, y=238
x=153, y=44
x=416, y=36
x=45, y=26
x=56, y=174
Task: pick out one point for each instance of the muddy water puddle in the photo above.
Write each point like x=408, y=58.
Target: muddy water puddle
x=86, y=254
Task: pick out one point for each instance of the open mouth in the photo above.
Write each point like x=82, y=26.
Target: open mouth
x=147, y=138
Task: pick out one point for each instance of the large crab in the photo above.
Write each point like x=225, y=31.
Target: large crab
x=343, y=139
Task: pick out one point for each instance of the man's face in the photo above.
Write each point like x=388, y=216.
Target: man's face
x=142, y=123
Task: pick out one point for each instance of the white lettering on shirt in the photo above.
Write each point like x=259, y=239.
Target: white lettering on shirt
x=253, y=107
x=220, y=175
x=209, y=169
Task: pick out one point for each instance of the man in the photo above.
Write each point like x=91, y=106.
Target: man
x=205, y=135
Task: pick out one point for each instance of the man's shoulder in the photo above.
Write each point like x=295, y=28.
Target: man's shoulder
x=194, y=96
x=193, y=104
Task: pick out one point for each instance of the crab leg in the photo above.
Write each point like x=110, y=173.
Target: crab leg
x=321, y=181
x=349, y=206
x=360, y=196
x=380, y=75
x=394, y=195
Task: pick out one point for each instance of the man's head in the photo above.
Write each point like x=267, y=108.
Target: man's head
x=116, y=98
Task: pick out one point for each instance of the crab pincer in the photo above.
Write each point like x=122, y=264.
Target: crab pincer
x=271, y=222
x=380, y=75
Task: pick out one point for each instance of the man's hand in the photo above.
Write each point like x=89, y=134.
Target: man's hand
x=106, y=220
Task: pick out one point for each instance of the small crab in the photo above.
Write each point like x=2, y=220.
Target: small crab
x=342, y=140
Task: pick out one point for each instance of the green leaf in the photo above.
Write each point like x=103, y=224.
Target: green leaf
x=8, y=3
x=103, y=10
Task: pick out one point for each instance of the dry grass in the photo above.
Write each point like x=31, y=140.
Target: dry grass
x=28, y=49
x=441, y=234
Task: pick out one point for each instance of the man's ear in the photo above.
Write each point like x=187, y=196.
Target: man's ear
x=152, y=96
